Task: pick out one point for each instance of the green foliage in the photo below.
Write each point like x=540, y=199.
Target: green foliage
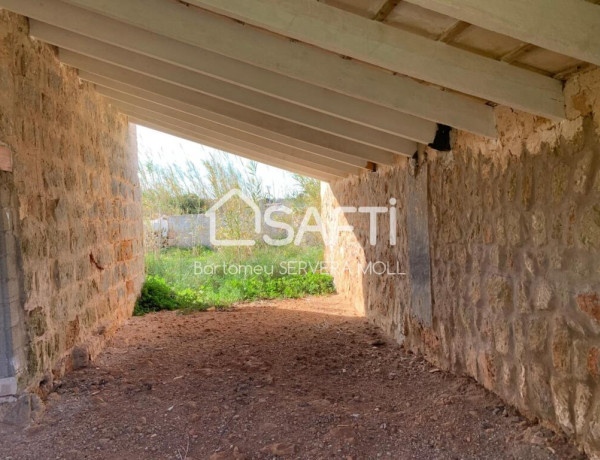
x=174, y=282
x=309, y=193
x=158, y=295
x=164, y=187
x=264, y=287
x=190, y=203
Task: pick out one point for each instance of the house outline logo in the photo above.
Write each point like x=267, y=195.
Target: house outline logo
x=212, y=217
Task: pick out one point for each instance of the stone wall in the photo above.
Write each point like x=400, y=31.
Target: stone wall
x=514, y=229
x=74, y=199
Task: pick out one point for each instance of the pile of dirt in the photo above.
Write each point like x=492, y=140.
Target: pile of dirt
x=293, y=379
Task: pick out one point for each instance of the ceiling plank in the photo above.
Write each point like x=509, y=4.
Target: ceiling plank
x=365, y=95
x=293, y=130
x=224, y=90
x=517, y=52
x=453, y=31
x=571, y=28
x=382, y=45
x=385, y=10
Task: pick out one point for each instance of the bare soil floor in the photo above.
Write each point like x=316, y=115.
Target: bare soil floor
x=292, y=379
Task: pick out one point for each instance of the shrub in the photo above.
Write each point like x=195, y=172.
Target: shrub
x=157, y=295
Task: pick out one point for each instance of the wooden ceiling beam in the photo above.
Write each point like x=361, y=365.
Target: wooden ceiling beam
x=174, y=128
x=571, y=28
x=268, y=64
x=202, y=125
x=379, y=44
x=177, y=101
x=229, y=92
x=306, y=136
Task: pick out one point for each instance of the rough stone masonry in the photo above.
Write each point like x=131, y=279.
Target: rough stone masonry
x=71, y=260
x=514, y=227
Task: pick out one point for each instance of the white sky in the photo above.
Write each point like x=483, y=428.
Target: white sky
x=166, y=149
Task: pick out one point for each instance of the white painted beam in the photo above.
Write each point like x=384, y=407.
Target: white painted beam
x=202, y=126
x=325, y=101
x=379, y=44
x=568, y=27
x=230, y=146
x=172, y=116
x=365, y=95
x=211, y=120
x=302, y=133
x=226, y=91
x=232, y=149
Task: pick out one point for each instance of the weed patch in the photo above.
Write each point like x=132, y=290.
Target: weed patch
x=174, y=281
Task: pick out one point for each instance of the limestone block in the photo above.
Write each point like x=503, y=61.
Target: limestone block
x=561, y=394
x=537, y=334
x=543, y=294
x=581, y=406
x=539, y=393
x=561, y=347
x=499, y=293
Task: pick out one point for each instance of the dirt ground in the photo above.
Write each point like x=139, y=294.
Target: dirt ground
x=292, y=379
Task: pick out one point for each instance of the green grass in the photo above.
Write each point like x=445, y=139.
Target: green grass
x=198, y=279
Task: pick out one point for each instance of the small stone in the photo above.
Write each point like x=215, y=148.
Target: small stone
x=280, y=448
x=235, y=454
x=80, y=357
